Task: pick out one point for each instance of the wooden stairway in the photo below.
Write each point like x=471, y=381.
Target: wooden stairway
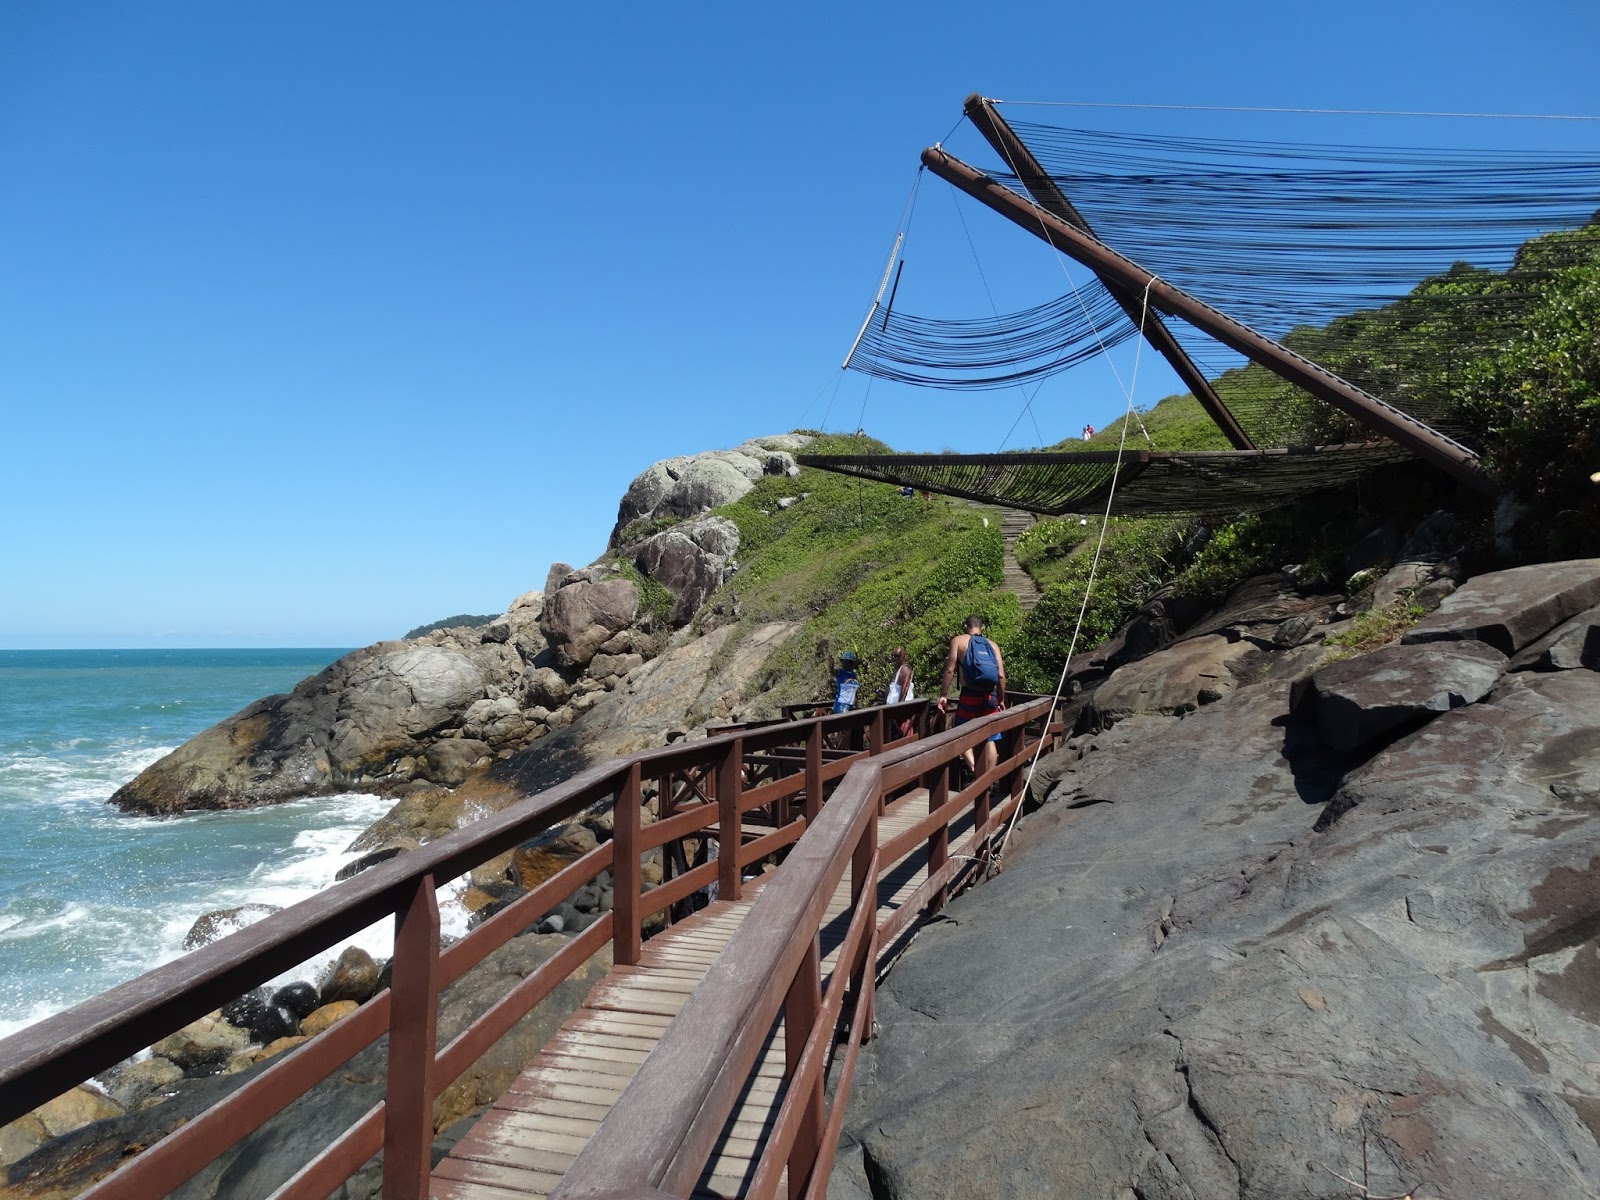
x=1013, y=523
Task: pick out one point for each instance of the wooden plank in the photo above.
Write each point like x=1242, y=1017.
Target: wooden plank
x=520, y=1179
x=454, y=1189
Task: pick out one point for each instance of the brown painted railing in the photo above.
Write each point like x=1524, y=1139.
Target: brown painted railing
x=664, y=1127
x=702, y=785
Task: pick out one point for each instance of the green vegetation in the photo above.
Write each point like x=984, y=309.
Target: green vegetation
x=653, y=597
x=459, y=621
x=862, y=568
x=1374, y=628
x=1512, y=358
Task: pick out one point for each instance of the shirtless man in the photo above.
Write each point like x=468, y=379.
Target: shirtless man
x=983, y=685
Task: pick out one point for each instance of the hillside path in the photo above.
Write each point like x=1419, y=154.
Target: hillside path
x=1013, y=523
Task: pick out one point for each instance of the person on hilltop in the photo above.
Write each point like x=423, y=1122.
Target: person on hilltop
x=983, y=685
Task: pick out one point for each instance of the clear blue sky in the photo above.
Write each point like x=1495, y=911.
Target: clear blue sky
x=318, y=321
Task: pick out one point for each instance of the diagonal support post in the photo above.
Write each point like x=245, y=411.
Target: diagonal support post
x=1382, y=418
x=1048, y=195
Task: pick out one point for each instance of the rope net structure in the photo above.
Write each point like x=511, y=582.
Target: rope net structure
x=1148, y=483
x=1321, y=247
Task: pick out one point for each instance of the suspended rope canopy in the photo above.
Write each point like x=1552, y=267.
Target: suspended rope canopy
x=995, y=352
x=1319, y=301
x=1148, y=483
x=1284, y=234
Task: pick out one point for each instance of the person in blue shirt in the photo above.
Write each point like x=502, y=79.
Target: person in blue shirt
x=846, y=681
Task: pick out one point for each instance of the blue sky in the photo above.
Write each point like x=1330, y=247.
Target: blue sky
x=319, y=321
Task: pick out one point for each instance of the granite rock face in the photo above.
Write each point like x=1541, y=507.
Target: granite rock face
x=1226, y=955
x=1360, y=700
x=687, y=485
x=1509, y=609
x=584, y=615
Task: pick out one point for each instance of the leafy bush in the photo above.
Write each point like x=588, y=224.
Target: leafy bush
x=1139, y=556
x=1535, y=403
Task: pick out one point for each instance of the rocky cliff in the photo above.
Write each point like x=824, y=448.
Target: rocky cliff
x=1291, y=916
x=420, y=717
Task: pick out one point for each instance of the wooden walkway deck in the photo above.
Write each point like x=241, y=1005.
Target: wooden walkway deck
x=521, y=1147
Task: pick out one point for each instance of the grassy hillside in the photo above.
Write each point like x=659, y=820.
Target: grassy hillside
x=862, y=568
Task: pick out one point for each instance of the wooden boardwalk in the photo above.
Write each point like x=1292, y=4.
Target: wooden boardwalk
x=521, y=1147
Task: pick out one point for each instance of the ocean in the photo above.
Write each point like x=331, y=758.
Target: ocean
x=90, y=897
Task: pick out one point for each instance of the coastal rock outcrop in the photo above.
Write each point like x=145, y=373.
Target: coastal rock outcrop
x=1360, y=700
x=686, y=485
x=1228, y=959
x=423, y=717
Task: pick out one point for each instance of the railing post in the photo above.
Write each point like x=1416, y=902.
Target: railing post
x=800, y=1010
x=813, y=772
x=625, y=874
x=875, y=734
x=413, y=1022
x=729, y=821
x=864, y=890
x=1019, y=775
x=939, y=839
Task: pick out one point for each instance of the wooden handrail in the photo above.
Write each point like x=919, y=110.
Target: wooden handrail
x=663, y=1128
x=664, y=1125
x=45, y=1059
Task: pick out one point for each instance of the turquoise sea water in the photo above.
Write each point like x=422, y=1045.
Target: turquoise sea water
x=90, y=897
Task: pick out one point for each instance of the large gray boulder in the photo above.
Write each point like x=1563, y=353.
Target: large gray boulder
x=582, y=616
x=1509, y=609
x=690, y=560
x=687, y=485
x=365, y=721
x=1360, y=700
x=1572, y=644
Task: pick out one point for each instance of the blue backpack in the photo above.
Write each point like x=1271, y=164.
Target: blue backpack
x=982, y=668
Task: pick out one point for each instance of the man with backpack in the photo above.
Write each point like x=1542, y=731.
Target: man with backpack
x=983, y=685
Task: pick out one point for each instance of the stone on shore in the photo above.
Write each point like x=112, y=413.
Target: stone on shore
x=1360, y=700
x=1509, y=609
x=353, y=977
x=327, y=1016
x=208, y=1042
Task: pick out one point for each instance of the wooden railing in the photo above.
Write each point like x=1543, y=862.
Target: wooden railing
x=664, y=1127
x=756, y=789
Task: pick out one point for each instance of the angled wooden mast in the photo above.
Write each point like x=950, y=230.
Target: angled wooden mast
x=1423, y=440
x=1012, y=150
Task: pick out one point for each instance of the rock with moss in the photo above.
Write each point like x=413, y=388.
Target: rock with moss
x=691, y=560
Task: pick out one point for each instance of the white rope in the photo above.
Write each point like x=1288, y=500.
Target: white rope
x=1088, y=586
x=1335, y=112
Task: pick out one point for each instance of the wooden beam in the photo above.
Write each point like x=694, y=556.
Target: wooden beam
x=980, y=111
